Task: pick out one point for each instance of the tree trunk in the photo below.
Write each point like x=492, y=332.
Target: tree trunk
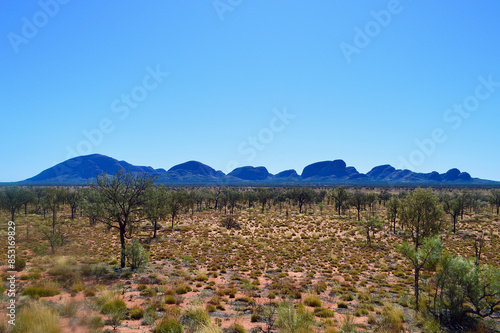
x=417, y=277
x=54, y=218
x=12, y=215
x=122, y=242
x=154, y=228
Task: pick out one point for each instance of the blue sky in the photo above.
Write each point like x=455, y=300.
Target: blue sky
x=415, y=84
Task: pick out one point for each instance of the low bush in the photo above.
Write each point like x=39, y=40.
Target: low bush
x=136, y=313
x=323, y=313
x=236, y=328
x=313, y=301
x=136, y=255
x=168, y=325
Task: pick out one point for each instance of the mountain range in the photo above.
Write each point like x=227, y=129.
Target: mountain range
x=82, y=169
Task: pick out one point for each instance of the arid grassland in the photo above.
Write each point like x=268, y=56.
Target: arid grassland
x=265, y=260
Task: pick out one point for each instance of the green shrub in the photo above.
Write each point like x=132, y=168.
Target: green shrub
x=255, y=317
x=169, y=299
x=323, y=313
x=182, y=289
x=235, y=328
x=342, y=305
x=110, y=302
x=19, y=264
x=150, y=317
x=136, y=313
x=148, y=292
x=168, y=325
x=94, y=322
x=136, y=255
x=201, y=276
x=37, y=318
x=313, y=301
x=77, y=287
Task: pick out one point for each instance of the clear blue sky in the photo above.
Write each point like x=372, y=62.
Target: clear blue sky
x=365, y=97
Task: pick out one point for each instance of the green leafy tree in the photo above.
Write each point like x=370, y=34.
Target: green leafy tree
x=494, y=199
x=371, y=224
x=12, y=199
x=121, y=199
x=371, y=200
x=176, y=202
x=73, y=198
x=421, y=213
x=463, y=289
x=302, y=195
x=250, y=197
x=392, y=206
x=233, y=197
x=53, y=199
x=453, y=206
x=358, y=201
x=264, y=195
x=156, y=205
x=426, y=256
x=341, y=197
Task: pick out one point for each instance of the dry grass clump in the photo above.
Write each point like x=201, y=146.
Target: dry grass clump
x=195, y=317
x=110, y=302
x=37, y=317
x=392, y=320
x=45, y=289
x=292, y=320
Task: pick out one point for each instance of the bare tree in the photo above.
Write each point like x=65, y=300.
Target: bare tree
x=122, y=198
